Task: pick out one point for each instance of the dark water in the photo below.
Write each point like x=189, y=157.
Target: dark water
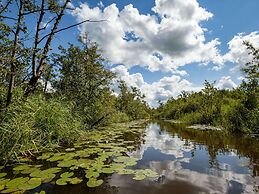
x=189, y=162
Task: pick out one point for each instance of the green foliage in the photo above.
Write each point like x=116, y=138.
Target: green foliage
x=118, y=117
x=131, y=102
x=235, y=110
x=35, y=124
x=85, y=81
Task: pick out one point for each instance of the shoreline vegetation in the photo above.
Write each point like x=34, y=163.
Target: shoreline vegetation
x=65, y=94
x=81, y=99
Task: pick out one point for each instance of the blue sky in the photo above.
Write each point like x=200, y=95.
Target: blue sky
x=176, y=46
x=196, y=39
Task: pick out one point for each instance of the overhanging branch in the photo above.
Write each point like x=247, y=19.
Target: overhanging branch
x=68, y=27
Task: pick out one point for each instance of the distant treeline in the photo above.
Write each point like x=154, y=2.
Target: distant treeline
x=236, y=110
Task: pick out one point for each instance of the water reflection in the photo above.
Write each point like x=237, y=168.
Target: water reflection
x=192, y=162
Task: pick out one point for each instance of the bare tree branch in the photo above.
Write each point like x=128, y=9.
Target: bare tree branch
x=68, y=27
x=8, y=17
x=34, y=11
x=46, y=25
x=5, y=7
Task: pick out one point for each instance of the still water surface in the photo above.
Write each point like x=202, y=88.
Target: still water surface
x=188, y=161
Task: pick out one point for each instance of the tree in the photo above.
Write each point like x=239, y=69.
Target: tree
x=85, y=81
x=251, y=70
x=16, y=35
x=131, y=102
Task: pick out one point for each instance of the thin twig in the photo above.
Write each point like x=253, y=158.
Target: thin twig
x=68, y=27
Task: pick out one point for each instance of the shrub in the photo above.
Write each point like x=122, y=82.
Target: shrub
x=234, y=117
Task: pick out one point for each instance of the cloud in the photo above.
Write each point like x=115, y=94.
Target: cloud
x=165, y=40
x=164, y=142
x=226, y=83
x=162, y=89
x=238, y=52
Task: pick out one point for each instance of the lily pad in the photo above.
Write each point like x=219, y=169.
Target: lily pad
x=139, y=177
x=125, y=171
x=31, y=184
x=21, y=167
x=67, y=174
x=94, y=182
x=107, y=170
x=150, y=173
x=61, y=182
x=14, y=183
x=45, y=175
x=45, y=156
x=3, y=174
x=90, y=173
x=10, y=190
x=75, y=181
x=67, y=163
x=29, y=170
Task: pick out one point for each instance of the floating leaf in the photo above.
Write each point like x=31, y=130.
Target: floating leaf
x=107, y=170
x=75, y=180
x=10, y=190
x=44, y=156
x=3, y=183
x=14, y=183
x=67, y=163
x=61, y=182
x=94, y=182
x=90, y=173
x=150, y=173
x=3, y=174
x=29, y=170
x=2, y=186
x=67, y=174
x=45, y=175
x=125, y=171
x=139, y=177
x=22, y=167
x=31, y=184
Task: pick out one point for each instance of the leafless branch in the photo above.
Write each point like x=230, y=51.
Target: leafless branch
x=68, y=27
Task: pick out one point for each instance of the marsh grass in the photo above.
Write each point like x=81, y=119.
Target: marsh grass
x=37, y=124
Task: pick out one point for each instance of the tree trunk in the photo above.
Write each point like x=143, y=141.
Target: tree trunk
x=13, y=57
x=34, y=79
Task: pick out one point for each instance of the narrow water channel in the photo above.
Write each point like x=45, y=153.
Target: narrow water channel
x=188, y=162
x=184, y=161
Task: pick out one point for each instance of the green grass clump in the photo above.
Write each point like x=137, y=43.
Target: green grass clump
x=36, y=124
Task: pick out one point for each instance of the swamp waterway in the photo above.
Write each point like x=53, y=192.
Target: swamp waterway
x=157, y=157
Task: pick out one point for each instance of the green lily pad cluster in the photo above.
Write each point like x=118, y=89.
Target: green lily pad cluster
x=19, y=184
x=65, y=178
x=144, y=173
x=45, y=175
x=103, y=152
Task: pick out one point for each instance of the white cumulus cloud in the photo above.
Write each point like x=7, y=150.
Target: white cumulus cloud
x=226, y=82
x=169, y=38
x=162, y=89
x=238, y=52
